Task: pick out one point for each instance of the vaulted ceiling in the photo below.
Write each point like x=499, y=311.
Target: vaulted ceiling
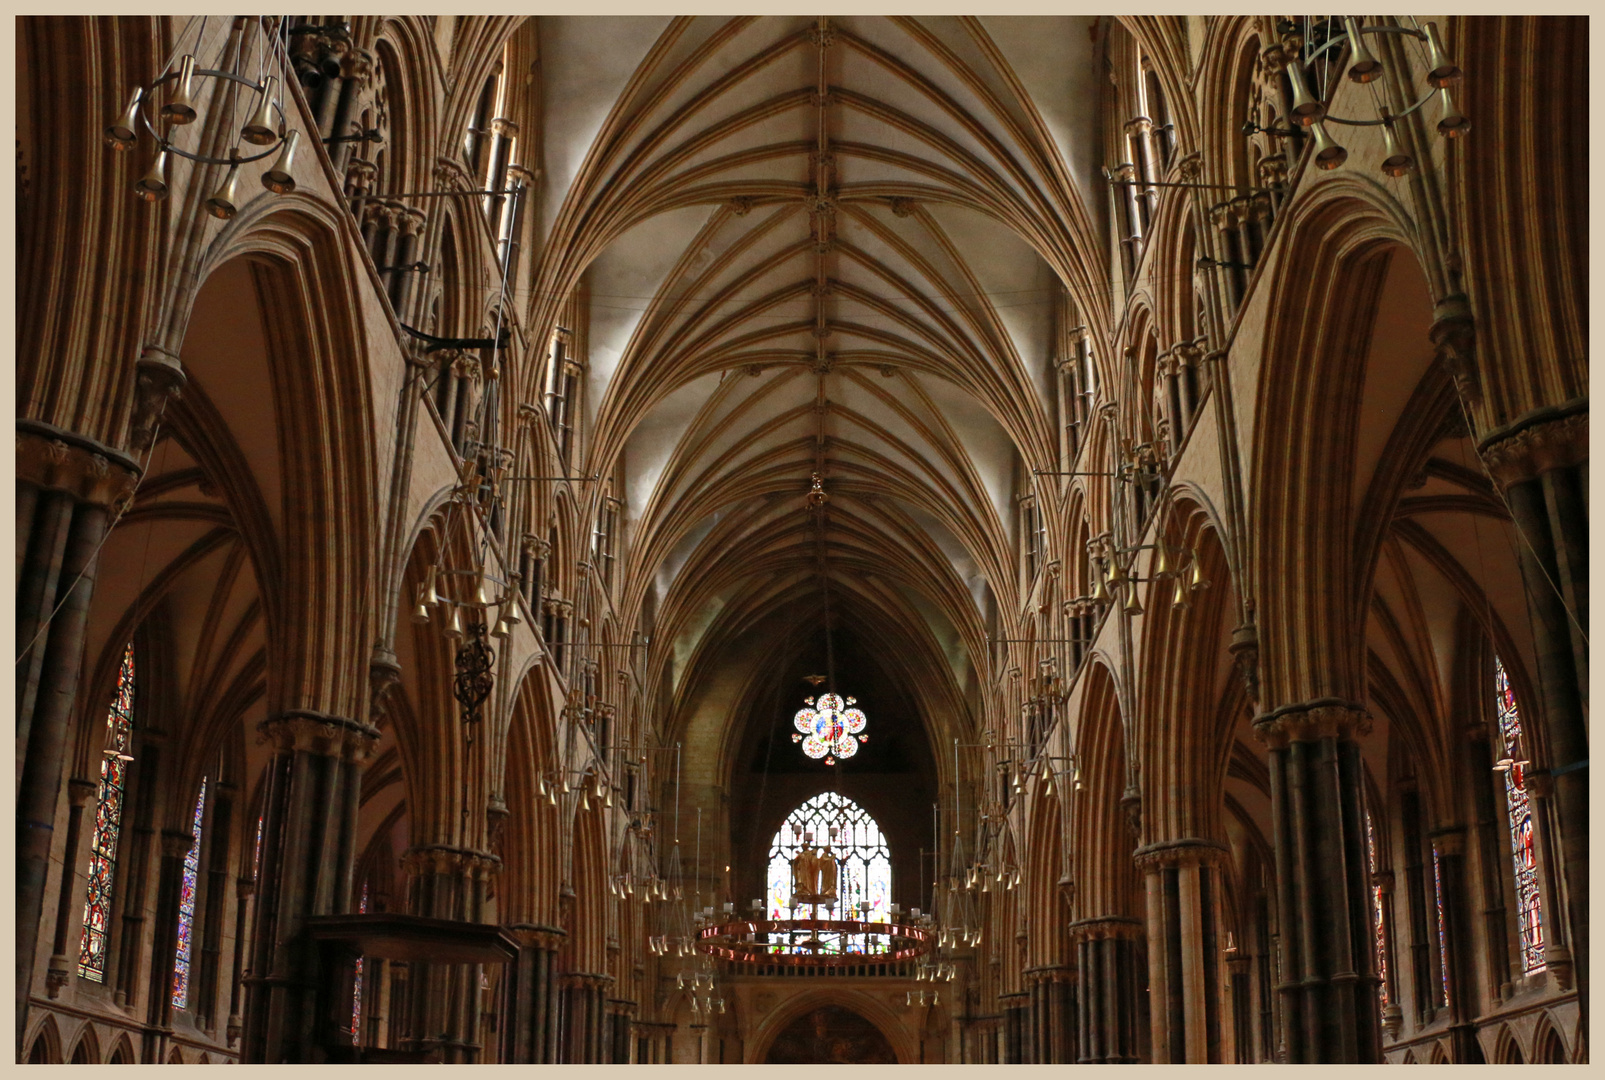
x=834, y=247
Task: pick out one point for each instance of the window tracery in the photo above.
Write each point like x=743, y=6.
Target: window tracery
x=849, y=835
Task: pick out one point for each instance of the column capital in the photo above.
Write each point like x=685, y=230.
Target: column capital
x=1114, y=927
x=1188, y=851
x=319, y=733
x=1533, y=444
x=1307, y=721
x=536, y=935
x=80, y=792
x=1539, y=783
x=176, y=844
x=63, y=461
x=1448, y=842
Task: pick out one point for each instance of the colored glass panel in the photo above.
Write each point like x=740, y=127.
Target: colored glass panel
x=1443, y=944
x=863, y=860
x=830, y=728
x=356, y=993
x=1524, y=860
x=186, y=906
x=108, y=825
x=1376, y=911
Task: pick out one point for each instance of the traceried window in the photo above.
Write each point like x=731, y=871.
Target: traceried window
x=1443, y=944
x=864, y=879
x=1524, y=861
x=108, y=824
x=186, y=907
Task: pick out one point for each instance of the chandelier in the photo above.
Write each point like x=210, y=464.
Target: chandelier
x=1337, y=43
x=830, y=727
x=160, y=114
x=818, y=943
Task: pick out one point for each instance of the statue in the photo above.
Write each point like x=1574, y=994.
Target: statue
x=825, y=864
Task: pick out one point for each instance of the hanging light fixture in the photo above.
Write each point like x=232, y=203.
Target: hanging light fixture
x=1362, y=67
x=180, y=109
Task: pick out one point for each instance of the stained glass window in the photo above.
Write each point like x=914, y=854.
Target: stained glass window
x=1376, y=911
x=830, y=728
x=1443, y=945
x=186, y=906
x=256, y=857
x=1524, y=861
x=356, y=993
x=108, y=824
x=864, y=880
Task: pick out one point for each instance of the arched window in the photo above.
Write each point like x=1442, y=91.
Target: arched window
x=854, y=839
x=1523, y=860
x=186, y=906
x=108, y=824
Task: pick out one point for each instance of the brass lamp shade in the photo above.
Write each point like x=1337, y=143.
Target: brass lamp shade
x=152, y=187
x=1363, y=67
x=1328, y=154
x=123, y=132
x=180, y=108
x=260, y=130
x=279, y=179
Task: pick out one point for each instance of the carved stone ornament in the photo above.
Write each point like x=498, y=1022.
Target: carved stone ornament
x=158, y=378
x=1324, y=718
x=1550, y=439
x=61, y=461
x=1454, y=338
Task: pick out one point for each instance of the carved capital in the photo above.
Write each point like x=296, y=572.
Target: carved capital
x=1190, y=851
x=300, y=730
x=81, y=793
x=1449, y=842
x=504, y=127
x=1383, y=881
x=63, y=461
x=1325, y=718
x=1538, y=783
x=1115, y=927
x=175, y=844
x=1191, y=166
x=1543, y=440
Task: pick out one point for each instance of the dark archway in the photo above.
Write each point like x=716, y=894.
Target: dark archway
x=831, y=1035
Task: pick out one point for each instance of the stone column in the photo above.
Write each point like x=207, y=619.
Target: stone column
x=1541, y=463
x=1182, y=885
x=584, y=995
x=1111, y=981
x=312, y=783
x=66, y=486
x=531, y=1036
x=1449, y=847
x=447, y=883
x=70, y=898
x=164, y=944
x=1329, y=987
x=1014, y=1010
